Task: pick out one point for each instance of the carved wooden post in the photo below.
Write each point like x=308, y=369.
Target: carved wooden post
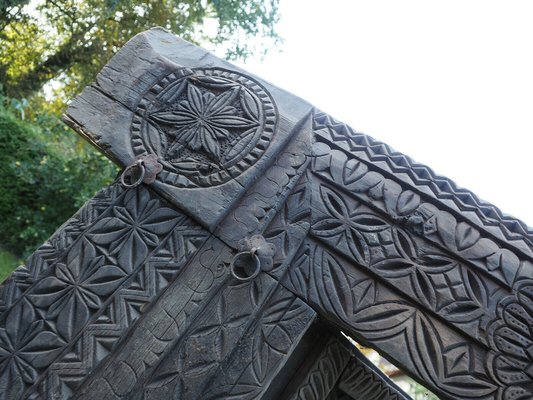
x=244, y=216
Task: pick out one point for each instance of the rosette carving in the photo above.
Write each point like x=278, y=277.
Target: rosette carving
x=206, y=126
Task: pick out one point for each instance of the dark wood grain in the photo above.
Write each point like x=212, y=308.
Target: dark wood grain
x=134, y=297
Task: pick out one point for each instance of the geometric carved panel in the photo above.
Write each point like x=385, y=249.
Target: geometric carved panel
x=68, y=320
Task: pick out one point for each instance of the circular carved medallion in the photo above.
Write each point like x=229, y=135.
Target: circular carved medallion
x=207, y=126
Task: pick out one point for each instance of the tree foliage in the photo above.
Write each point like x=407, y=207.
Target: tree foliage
x=70, y=40
x=44, y=177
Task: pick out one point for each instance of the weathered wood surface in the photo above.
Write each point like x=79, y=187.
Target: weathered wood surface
x=133, y=298
x=332, y=368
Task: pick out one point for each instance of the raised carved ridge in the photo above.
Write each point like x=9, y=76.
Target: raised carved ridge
x=261, y=203
x=454, y=365
x=361, y=379
x=443, y=188
x=363, y=383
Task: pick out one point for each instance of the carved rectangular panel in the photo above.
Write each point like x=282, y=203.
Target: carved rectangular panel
x=374, y=313
x=439, y=282
x=163, y=326
x=85, y=298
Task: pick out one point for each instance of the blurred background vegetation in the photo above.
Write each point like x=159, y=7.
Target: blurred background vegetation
x=49, y=51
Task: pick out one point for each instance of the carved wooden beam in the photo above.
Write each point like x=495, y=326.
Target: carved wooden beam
x=333, y=368
x=243, y=216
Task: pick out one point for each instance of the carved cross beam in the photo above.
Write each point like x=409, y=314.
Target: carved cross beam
x=245, y=215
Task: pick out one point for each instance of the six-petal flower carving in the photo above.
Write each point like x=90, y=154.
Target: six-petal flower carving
x=203, y=120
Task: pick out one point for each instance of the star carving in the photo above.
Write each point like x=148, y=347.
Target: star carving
x=204, y=120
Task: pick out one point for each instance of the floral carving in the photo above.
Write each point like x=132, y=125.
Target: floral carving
x=25, y=347
x=206, y=126
x=134, y=228
x=345, y=225
x=204, y=120
x=514, y=339
x=385, y=319
x=435, y=279
x=75, y=289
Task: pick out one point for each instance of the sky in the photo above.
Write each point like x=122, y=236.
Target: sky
x=449, y=83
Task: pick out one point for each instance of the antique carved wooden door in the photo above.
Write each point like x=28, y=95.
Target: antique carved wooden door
x=247, y=231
